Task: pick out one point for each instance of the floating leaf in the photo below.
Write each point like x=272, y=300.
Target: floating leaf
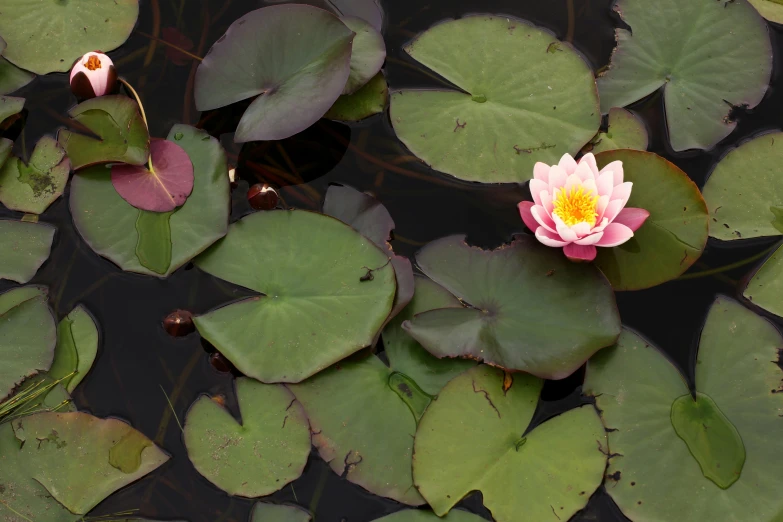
x=367, y=101
x=368, y=53
x=5, y=150
x=45, y=36
x=24, y=247
x=655, y=474
x=772, y=10
x=261, y=455
x=471, y=439
x=319, y=304
x=10, y=106
x=296, y=57
x=369, y=10
x=116, y=230
x=707, y=56
x=361, y=428
x=530, y=308
x=765, y=287
x=263, y=512
x=77, y=347
x=121, y=133
x=419, y=515
x=745, y=190
x=12, y=78
x=68, y=454
x=532, y=98
x=27, y=336
x=163, y=187
x=672, y=238
x=33, y=187
x=626, y=131
x=408, y=356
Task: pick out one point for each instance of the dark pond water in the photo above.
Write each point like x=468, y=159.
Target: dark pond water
x=138, y=359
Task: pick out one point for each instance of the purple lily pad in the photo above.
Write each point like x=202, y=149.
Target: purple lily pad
x=164, y=188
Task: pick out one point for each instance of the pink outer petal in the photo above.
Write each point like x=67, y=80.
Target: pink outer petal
x=527, y=217
x=590, y=239
x=589, y=159
x=549, y=239
x=579, y=253
x=616, y=168
x=536, y=188
x=612, y=209
x=605, y=184
x=615, y=234
x=541, y=171
x=557, y=178
x=543, y=219
x=622, y=192
x=568, y=164
x=632, y=218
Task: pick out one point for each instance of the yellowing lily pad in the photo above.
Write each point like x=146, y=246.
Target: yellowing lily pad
x=34, y=186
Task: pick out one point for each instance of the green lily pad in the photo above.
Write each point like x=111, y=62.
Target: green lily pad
x=5, y=150
x=12, y=78
x=744, y=191
x=764, y=288
x=531, y=99
x=24, y=247
x=420, y=515
x=471, y=439
x=263, y=512
x=408, y=356
x=295, y=58
x=707, y=56
x=28, y=334
x=626, y=131
x=361, y=427
x=672, y=238
x=33, y=187
x=367, y=101
x=368, y=52
x=121, y=133
x=72, y=457
x=45, y=36
x=772, y=10
x=530, y=308
x=261, y=455
x=77, y=347
x=319, y=303
x=10, y=106
x=656, y=475
x=142, y=242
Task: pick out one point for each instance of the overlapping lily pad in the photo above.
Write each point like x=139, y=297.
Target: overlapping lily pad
x=362, y=428
x=369, y=10
x=12, y=78
x=672, y=238
x=28, y=334
x=744, y=193
x=58, y=466
x=24, y=247
x=77, y=347
x=772, y=10
x=474, y=437
x=526, y=97
x=263, y=512
x=295, y=58
x=765, y=288
x=155, y=243
x=10, y=106
x=326, y=289
x=625, y=131
x=528, y=307
x=44, y=36
x=121, y=133
x=258, y=456
x=367, y=101
x=707, y=56
x=34, y=186
x=658, y=472
x=368, y=53
x=420, y=515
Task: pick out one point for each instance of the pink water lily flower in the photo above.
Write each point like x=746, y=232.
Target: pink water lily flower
x=93, y=75
x=577, y=207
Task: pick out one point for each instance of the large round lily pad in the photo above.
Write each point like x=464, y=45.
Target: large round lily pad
x=361, y=427
x=527, y=97
x=28, y=335
x=149, y=242
x=706, y=55
x=625, y=131
x=530, y=308
x=744, y=193
x=295, y=58
x=672, y=238
x=263, y=512
x=34, y=186
x=258, y=456
x=474, y=438
x=327, y=292
x=77, y=348
x=24, y=247
x=45, y=36
x=765, y=288
x=657, y=472
x=74, y=459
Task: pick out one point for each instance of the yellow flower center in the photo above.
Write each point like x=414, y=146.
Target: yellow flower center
x=575, y=206
x=93, y=62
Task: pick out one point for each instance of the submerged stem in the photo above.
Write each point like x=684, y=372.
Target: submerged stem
x=726, y=268
x=143, y=114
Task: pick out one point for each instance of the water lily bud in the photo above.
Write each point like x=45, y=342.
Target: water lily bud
x=262, y=197
x=93, y=75
x=179, y=323
x=220, y=363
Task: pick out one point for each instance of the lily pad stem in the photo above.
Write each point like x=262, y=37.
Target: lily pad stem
x=143, y=115
x=726, y=268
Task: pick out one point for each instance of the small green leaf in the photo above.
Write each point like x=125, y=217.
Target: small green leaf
x=12, y=78
x=33, y=187
x=765, y=288
x=24, y=247
x=367, y=101
x=77, y=347
x=626, y=131
x=407, y=389
x=154, y=246
x=10, y=106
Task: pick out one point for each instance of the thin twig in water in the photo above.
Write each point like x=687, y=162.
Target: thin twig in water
x=172, y=408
